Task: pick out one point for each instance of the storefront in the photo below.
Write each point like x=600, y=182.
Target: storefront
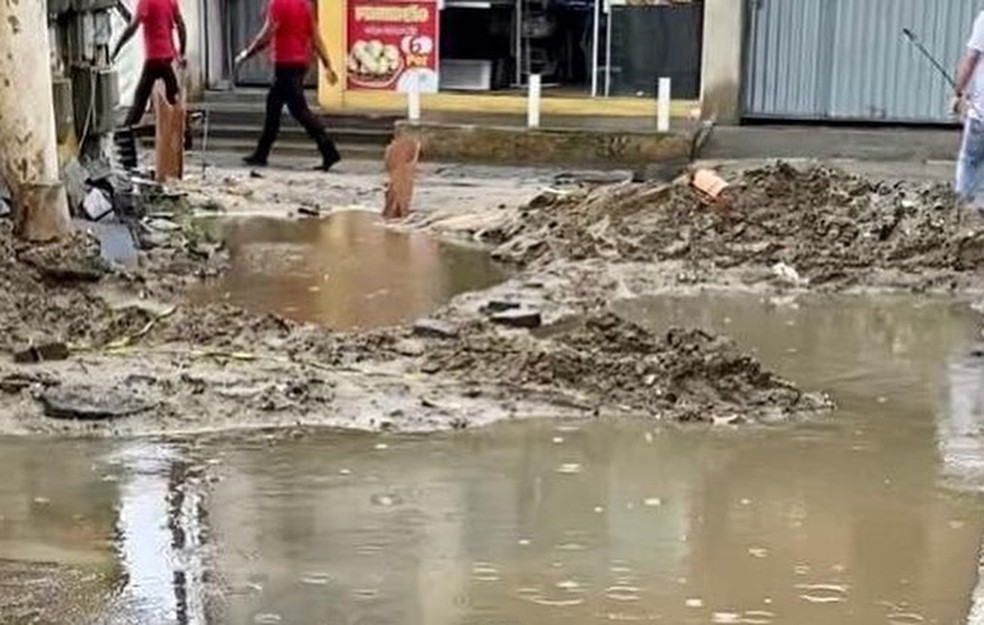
x=848, y=61
x=599, y=57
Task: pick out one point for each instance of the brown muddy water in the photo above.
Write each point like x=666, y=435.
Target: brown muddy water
x=345, y=271
x=870, y=515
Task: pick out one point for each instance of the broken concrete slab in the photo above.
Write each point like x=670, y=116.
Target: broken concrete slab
x=87, y=403
x=435, y=329
x=497, y=306
x=162, y=224
x=518, y=318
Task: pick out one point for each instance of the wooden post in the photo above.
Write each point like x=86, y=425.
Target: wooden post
x=169, y=136
x=28, y=141
x=401, y=160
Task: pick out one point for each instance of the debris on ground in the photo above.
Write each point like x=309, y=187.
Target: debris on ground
x=53, y=350
x=686, y=375
x=48, y=293
x=86, y=403
x=142, y=358
x=832, y=228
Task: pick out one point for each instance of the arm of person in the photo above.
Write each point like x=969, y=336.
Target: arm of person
x=179, y=25
x=964, y=73
x=322, y=50
x=259, y=42
x=128, y=33
x=968, y=65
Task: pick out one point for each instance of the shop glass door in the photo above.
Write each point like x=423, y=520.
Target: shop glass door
x=559, y=40
x=650, y=39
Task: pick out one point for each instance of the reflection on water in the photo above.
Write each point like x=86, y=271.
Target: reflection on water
x=345, y=271
x=160, y=536
x=869, y=516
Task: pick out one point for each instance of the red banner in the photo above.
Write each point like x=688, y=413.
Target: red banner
x=392, y=45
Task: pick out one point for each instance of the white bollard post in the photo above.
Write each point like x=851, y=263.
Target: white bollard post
x=663, y=105
x=533, y=102
x=413, y=101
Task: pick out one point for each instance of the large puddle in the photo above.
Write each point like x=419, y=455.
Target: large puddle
x=345, y=271
x=871, y=515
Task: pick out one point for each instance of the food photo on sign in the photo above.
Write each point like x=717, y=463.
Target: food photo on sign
x=392, y=46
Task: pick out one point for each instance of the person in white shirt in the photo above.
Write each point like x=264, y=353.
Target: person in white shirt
x=968, y=101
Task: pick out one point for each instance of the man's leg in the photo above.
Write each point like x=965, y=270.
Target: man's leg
x=141, y=96
x=970, y=161
x=271, y=124
x=299, y=109
x=171, y=88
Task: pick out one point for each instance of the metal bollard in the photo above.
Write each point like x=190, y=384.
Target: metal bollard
x=663, y=105
x=533, y=102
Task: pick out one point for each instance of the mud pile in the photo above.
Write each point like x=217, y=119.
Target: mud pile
x=132, y=358
x=51, y=292
x=826, y=226
x=612, y=364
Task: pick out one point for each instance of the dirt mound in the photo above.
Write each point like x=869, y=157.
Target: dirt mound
x=686, y=375
x=47, y=294
x=827, y=226
x=40, y=292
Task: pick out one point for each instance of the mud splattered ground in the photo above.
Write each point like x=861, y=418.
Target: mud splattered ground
x=811, y=227
x=144, y=360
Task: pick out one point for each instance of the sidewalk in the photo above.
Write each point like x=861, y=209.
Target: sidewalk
x=832, y=142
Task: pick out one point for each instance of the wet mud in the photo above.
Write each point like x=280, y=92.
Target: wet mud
x=870, y=515
x=810, y=227
x=116, y=353
x=181, y=354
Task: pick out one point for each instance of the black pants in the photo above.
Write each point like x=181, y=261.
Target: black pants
x=153, y=70
x=288, y=88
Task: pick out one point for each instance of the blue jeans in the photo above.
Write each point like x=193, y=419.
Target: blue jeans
x=971, y=160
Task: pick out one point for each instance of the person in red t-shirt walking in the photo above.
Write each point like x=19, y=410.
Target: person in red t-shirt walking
x=159, y=19
x=291, y=29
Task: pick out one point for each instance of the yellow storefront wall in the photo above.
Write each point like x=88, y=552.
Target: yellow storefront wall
x=332, y=20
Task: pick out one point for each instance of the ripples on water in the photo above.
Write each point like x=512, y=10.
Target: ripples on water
x=868, y=516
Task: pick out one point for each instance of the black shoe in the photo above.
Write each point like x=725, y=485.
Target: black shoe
x=329, y=154
x=328, y=162
x=254, y=161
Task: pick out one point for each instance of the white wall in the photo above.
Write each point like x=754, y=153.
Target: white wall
x=722, y=60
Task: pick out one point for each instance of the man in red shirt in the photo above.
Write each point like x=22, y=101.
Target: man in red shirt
x=159, y=19
x=292, y=32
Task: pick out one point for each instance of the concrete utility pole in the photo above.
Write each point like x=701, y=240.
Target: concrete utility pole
x=28, y=144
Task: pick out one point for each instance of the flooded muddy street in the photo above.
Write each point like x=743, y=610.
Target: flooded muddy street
x=870, y=514
x=346, y=271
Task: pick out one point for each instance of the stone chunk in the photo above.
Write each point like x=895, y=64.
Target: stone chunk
x=86, y=403
x=435, y=329
x=53, y=350
x=518, y=318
